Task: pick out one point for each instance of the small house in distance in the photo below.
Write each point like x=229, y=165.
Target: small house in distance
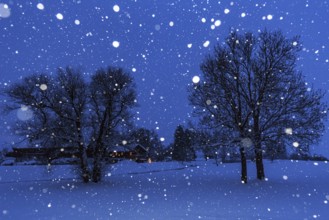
x=137, y=153
x=40, y=155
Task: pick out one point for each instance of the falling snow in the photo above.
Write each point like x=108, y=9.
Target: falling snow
x=218, y=23
x=206, y=43
x=196, y=79
x=226, y=11
x=116, y=44
x=43, y=87
x=116, y=8
x=162, y=45
x=59, y=16
x=40, y=6
x=4, y=11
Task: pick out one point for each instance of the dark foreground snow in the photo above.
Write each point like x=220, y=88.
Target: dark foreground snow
x=197, y=190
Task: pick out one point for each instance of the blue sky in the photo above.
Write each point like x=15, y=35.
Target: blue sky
x=161, y=43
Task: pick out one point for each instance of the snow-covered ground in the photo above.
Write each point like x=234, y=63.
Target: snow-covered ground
x=197, y=190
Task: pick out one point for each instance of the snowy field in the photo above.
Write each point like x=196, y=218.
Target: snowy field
x=197, y=190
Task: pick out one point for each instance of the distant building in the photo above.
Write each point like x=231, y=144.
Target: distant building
x=45, y=155
x=137, y=153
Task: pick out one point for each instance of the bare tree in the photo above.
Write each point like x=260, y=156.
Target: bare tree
x=56, y=105
x=69, y=104
x=251, y=88
x=64, y=110
x=112, y=94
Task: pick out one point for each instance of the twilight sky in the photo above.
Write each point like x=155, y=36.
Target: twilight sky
x=161, y=43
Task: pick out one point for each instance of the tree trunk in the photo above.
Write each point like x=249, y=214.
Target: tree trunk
x=85, y=174
x=258, y=149
x=259, y=162
x=244, y=177
x=97, y=170
x=83, y=164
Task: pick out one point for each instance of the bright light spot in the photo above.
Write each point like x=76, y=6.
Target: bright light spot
x=116, y=8
x=203, y=20
x=24, y=113
x=285, y=177
x=171, y=23
x=295, y=43
x=243, y=15
x=59, y=16
x=4, y=11
x=206, y=43
x=269, y=17
x=124, y=142
x=134, y=69
x=226, y=11
x=317, y=51
x=295, y=144
x=196, y=79
x=212, y=27
x=5, y=212
x=189, y=45
x=77, y=22
x=246, y=142
x=218, y=23
x=116, y=44
x=43, y=87
x=49, y=205
x=288, y=131
x=268, y=209
x=157, y=27
x=162, y=139
x=316, y=163
x=208, y=102
x=40, y=6
x=139, y=195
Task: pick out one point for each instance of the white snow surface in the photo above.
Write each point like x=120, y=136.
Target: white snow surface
x=167, y=190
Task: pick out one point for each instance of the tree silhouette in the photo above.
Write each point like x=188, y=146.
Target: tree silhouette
x=183, y=149
x=65, y=110
x=251, y=88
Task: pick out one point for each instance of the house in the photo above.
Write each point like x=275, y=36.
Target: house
x=137, y=153
x=46, y=155
x=29, y=154
x=43, y=155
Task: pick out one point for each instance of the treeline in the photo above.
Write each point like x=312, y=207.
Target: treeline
x=251, y=101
